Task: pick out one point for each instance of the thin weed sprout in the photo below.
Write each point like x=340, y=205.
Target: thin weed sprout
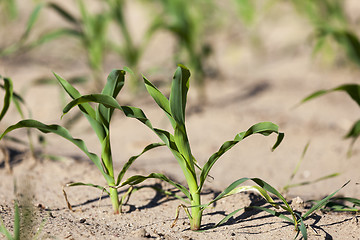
x=289, y=184
x=179, y=145
x=24, y=226
x=99, y=119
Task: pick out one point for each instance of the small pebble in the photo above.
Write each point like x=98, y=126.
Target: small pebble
x=82, y=220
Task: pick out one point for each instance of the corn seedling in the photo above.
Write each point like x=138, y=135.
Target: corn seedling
x=12, y=97
x=297, y=219
x=128, y=50
x=90, y=29
x=189, y=22
x=341, y=204
x=353, y=91
x=331, y=27
x=178, y=144
x=99, y=119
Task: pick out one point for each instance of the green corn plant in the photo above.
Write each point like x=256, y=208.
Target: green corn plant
x=189, y=22
x=341, y=204
x=90, y=29
x=99, y=119
x=178, y=144
x=128, y=50
x=353, y=91
x=14, y=98
x=297, y=219
x=332, y=28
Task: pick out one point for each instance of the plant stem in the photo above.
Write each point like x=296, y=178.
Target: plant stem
x=114, y=200
x=196, y=212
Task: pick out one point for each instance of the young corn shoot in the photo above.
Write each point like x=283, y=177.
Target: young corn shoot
x=178, y=143
x=99, y=119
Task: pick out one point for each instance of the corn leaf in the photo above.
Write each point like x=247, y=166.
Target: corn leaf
x=52, y=35
x=58, y=130
x=134, y=180
x=274, y=213
x=225, y=219
x=8, y=87
x=32, y=19
x=160, y=99
x=302, y=229
x=89, y=185
x=354, y=131
x=73, y=93
x=178, y=96
x=114, y=84
x=133, y=158
x=353, y=90
x=85, y=108
x=264, y=128
x=62, y=12
x=322, y=202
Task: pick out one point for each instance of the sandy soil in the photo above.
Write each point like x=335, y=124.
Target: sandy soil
x=253, y=84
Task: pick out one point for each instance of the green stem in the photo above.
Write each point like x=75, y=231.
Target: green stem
x=196, y=212
x=114, y=200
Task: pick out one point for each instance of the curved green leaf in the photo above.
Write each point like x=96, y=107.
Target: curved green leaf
x=114, y=84
x=85, y=108
x=58, y=130
x=354, y=131
x=264, y=128
x=88, y=185
x=134, y=180
x=133, y=158
x=8, y=87
x=160, y=99
x=353, y=90
x=274, y=213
